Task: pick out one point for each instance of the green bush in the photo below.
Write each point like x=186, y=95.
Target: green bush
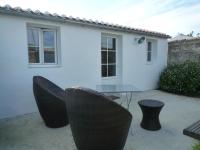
x=196, y=146
x=181, y=78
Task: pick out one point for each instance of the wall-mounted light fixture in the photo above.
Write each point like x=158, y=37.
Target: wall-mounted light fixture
x=140, y=40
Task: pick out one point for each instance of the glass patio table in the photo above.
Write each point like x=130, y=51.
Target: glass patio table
x=127, y=89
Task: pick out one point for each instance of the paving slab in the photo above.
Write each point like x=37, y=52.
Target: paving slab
x=28, y=132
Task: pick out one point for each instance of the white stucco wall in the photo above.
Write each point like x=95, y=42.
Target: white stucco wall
x=80, y=62
x=136, y=69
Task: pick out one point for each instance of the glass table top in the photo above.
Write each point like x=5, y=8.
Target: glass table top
x=116, y=88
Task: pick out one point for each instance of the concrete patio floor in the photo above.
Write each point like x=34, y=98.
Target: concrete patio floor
x=28, y=132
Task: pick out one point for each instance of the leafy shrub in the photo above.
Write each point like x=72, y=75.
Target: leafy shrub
x=181, y=78
x=196, y=146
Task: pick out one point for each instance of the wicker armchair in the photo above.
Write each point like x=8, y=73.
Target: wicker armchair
x=50, y=101
x=97, y=123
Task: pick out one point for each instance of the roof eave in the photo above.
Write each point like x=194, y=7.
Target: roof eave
x=80, y=22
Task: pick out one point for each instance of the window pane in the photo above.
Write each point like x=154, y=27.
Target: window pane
x=104, y=57
x=149, y=46
x=33, y=37
x=49, y=55
x=111, y=43
x=103, y=42
x=149, y=56
x=33, y=53
x=104, y=70
x=48, y=38
x=111, y=57
x=108, y=57
x=111, y=70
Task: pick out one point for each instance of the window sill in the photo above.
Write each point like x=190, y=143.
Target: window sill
x=44, y=66
x=108, y=78
x=149, y=63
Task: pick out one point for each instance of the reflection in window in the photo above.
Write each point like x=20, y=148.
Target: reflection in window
x=104, y=43
x=108, y=56
x=33, y=45
x=48, y=38
x=104, y=69
x=49, y=48
x=41, y=45
x=111, y=43
x=149, y=51
x=104, y=57
x=111, y=57
x=111, y=70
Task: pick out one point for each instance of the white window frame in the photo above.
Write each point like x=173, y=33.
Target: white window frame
x=41, y=29
x=55, y=45
x=109, y=77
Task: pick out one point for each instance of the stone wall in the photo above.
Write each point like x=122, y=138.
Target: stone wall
x=180, y=51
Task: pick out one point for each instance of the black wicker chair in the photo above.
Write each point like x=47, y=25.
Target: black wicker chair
x=50, y=101
x=97, y=123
